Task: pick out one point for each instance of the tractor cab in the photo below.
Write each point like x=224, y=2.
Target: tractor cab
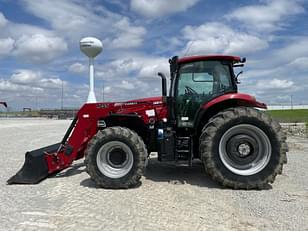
x=196, y=81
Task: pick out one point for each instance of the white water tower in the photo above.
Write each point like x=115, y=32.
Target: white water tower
x=91, y=47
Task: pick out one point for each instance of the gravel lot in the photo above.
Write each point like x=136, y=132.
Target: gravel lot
x=170, y=197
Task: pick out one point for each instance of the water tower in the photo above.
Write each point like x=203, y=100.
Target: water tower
x=91, y=47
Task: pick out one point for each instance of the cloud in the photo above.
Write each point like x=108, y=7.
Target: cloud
x=158, y=8
x=25, y=77
x=126, y=85
x=77, y=68
x=39, y=48
x=300, y=63
x=219, y=38
x=139, y=66
x=67, y=17
x=130, y=78
x=293, y=50
x=76, y=19
x=31, y=44
x=266, y=16
x=6, y=46
x=281, y=84
x=129, y=36
x=3, y=20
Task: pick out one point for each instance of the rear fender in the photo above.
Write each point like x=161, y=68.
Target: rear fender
x=241, y=99
x=211, y=108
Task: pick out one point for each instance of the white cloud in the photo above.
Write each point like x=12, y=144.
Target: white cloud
x=266, y=16
x=34, y=79
x=51, y=83
x=3, y=20
x=67, y=17
x=25, y=77
x=218, y=38
x=76, y=19
x=300, y=63
x=293, y=50
x=39, y=48
x=77, y=68
x=129, y=36
x=6, y=85
x=281, y=84
x=158, y=8
x=130, y=78
x=30, y=43
x=126, y=85
x=139, y=66
x=11, y=88
x=6, y=46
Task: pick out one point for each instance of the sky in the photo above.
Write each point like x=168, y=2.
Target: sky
x=40, y=55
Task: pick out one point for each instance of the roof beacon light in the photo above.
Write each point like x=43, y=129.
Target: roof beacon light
x=91, y=47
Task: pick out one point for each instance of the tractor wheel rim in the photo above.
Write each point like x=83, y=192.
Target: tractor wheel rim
x=115, y=159
x=245, y=149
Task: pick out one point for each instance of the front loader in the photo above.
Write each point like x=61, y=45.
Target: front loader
x=203, y=117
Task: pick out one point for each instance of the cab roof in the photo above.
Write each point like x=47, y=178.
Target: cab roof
x=189, y=59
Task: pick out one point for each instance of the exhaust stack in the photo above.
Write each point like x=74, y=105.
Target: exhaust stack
x=163, y=83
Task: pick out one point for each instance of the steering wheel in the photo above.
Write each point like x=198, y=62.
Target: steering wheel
x=190, y=91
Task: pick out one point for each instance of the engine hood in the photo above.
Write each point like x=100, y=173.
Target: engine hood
x=157, y=99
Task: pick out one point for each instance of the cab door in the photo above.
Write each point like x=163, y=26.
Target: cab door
x=198, y=83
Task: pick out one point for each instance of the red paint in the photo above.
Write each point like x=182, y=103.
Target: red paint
x=86, y=126
x=208, y=57
x=242, y=99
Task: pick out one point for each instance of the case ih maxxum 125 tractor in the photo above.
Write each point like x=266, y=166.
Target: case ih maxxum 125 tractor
x=203, y=117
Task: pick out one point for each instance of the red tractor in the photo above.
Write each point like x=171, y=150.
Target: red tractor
x=203, y=117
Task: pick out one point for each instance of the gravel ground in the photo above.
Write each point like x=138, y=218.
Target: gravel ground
x=170, y=197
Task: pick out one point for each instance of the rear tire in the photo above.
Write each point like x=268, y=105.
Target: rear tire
x=243, y=148
x=116, y=158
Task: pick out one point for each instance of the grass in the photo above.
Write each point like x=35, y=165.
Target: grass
x=290, y=116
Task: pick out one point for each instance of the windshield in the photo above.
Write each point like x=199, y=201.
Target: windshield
x=204, y=78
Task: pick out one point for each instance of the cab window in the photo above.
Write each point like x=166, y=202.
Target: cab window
x=198, y=83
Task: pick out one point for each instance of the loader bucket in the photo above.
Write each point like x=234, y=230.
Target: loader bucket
x=35, y=167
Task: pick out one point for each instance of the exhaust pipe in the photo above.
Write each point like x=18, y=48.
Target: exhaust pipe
x=163, y=83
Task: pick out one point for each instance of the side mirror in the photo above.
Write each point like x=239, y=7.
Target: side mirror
x=236, y=77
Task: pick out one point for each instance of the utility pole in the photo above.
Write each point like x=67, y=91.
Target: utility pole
x=36, y=103
x=103, y=92
x=291, y=99
x=62, y=96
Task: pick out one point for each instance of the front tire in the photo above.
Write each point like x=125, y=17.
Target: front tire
x=116, y=158
x=243, y=148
